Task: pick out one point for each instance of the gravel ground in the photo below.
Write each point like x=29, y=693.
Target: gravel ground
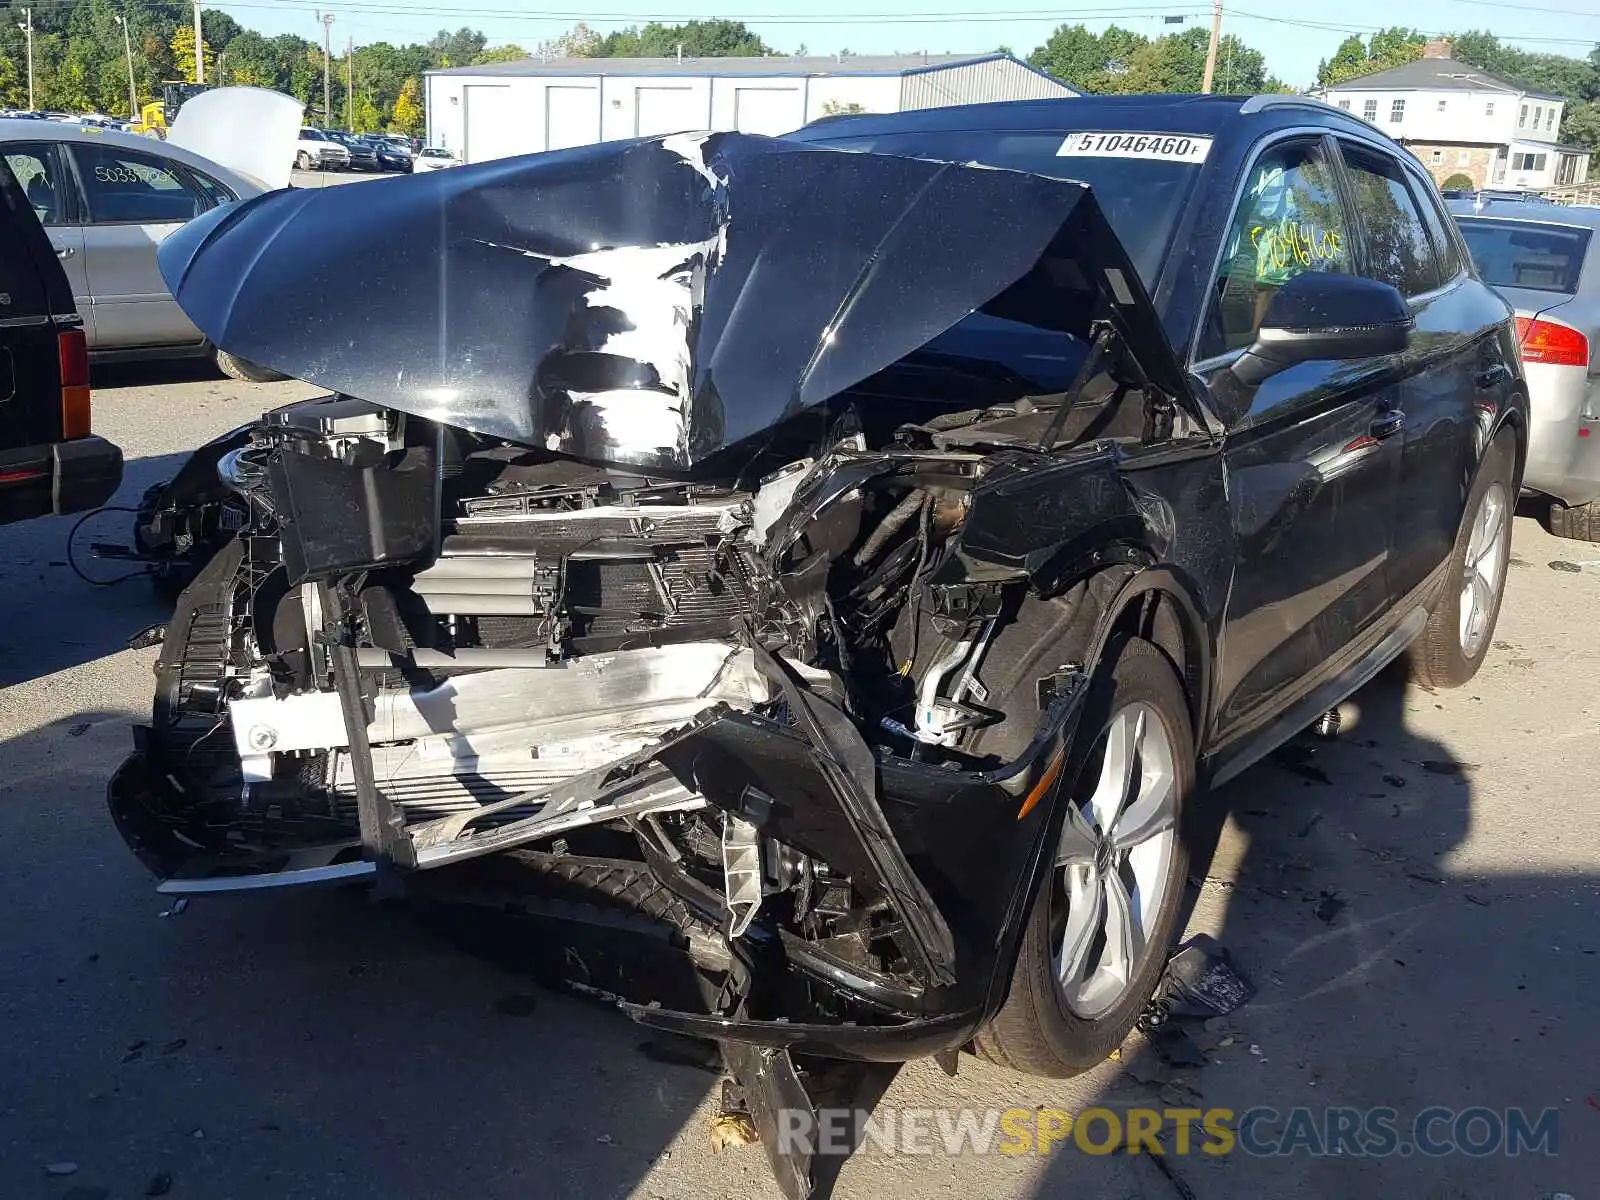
x=316, y=1046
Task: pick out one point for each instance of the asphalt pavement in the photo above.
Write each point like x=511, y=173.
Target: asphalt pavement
x=1415, y=902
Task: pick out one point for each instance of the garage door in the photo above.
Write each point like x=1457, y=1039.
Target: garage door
x=491, y=122
x=571, y=116
x=667, y=110
x=768, y=110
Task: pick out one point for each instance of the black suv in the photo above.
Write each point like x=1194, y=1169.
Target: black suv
x=49, y=461
x=846, y=565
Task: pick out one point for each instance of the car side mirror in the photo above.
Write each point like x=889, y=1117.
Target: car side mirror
x=1323, y=316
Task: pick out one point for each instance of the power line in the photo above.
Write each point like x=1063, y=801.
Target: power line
x=1560, y=12
x=1329, y=27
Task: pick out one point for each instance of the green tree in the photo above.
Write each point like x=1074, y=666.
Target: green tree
x=456, y=49
x=1121, y=61
x=364, y=114
x=578, y=42
x=699, y=39
x=408, y=111
x=252, y=61
x=1348, y=62
x=220, y=29
x=1576, y=78
x=1581, y=126
x=1073, y=55
x=499, y=54
x=1457, y=183
x=182, y=43
x=1392, y=47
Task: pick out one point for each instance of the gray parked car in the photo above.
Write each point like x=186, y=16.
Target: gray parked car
x=107, y=200
x=1541, y=259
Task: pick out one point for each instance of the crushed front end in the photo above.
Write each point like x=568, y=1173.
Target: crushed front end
x=428, y=646
x=701, y=550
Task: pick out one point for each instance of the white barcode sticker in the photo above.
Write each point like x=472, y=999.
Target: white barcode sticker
x=1167, y=147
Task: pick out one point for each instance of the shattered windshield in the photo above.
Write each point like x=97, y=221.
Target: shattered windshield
x=1140, y=197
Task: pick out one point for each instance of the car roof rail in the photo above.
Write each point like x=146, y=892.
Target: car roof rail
x=1256, y=103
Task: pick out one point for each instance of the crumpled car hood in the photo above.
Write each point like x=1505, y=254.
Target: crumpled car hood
x=648, y=302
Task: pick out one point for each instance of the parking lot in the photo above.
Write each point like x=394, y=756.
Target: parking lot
x=1415, y=902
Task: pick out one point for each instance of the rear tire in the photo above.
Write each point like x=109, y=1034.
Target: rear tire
x=1445, y=656
x=1581, y=522
x=303, y=161
x=1042, y=1028
x=243, y=369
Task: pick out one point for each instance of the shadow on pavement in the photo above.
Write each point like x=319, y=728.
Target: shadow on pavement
x=1385, y=980
x=153, y=373
x=53, y=618
x=309, y=1044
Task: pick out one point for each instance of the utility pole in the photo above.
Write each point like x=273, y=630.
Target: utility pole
x=349, y=80
x=327, y=54
x=127, y=47
x=27, y=28
x=1211, y=50
x=199, y=47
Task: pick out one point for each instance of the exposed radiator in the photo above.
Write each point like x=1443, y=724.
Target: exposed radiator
x=608, y=572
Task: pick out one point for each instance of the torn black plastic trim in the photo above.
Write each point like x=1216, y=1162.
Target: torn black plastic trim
x=846, y=760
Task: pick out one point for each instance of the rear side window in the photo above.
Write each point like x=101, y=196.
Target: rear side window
x=21, y=293
x=1397, y=245
x=1289, y=222
x=1439, y=226
x=126, y=186
x=213, y=190
x=36, y=173
x=1525, y=254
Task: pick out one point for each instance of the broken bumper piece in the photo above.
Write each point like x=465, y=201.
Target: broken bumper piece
x=967, y=844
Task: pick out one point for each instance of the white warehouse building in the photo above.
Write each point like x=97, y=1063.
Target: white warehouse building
x=501, y=109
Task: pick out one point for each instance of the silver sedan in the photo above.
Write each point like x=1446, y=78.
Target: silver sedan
x=1542, y=258
x=107, y=200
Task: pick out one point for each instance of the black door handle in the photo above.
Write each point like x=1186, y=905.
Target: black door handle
x=1493, y=376
x=1388, y=423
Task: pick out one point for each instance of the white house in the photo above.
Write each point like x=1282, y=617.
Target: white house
x=501, y=109
x=1460, y=120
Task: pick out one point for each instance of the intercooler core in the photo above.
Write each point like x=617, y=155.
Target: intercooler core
x=594, y=577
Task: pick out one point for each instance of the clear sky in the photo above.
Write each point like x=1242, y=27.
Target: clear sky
x=1294, y=36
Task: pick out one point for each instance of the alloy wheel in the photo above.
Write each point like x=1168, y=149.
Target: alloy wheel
x=1112, y=863
x=1483, y=571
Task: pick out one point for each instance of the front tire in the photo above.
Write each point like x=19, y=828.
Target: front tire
x=244, y=370
x=1461, y=625
x=1104, y=916
x=303, y=161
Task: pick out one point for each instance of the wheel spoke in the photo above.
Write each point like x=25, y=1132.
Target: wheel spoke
x=1494, y=524
x=1151, y=813
x=1086, y=916
x=1124, y=936
x=1118, y=768
x=1078, y=840
x=1482, y=601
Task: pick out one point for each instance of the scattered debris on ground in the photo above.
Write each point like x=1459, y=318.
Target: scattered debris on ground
x=732, y=1129
x=1296, y=759
x=1330, y=907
